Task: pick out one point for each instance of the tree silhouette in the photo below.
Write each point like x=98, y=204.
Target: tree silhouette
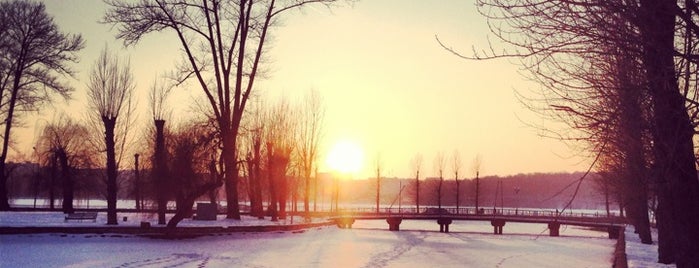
x=109, y=93
x=33, y=56
x=562, y=51
x=456, y=167
x=378, y=180
x=439, y=165
x=62, y=141
x=192, y=147
x=159, y=109
x=279, y=142
x=310, y=133
x=476, y=167
x=416, y=164
x=223, y=44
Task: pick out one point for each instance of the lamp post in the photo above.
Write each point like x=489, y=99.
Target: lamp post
x=136, y=183
x=36, y=176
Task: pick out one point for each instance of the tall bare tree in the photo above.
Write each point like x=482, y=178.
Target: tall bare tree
x=416, y=164
x=673, y=135
x=159, y=110
x=660, y=38
x=439, y=164
x=310, y=133
x=279, y=146
x=378, y=180
x=476, y=168
x=456, y=167
x=34, y=55
x=192, y=147
x=109, y=92
x=62, y=141
x=223, y=44
x=255, y=132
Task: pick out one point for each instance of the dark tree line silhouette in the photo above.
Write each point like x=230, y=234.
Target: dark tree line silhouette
x=34, y=55
x=225, y=67
x=621, y=75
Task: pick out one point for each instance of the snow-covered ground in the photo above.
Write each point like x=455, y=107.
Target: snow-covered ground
x=368, y=244
x=640, y=255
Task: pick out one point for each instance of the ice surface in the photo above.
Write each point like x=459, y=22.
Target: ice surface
x=367, y=244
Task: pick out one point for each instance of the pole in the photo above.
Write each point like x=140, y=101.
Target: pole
x=477, y=190
x=136, y=184
x=378, y=187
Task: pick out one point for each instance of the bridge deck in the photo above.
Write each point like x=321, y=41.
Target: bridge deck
x=577, y=221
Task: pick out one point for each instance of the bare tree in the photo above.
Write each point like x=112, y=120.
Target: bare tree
x=255, y=132
x=673, y=135
x=279, y=146
x=159, y=109
x=456, y=167
x=378, y=180
x=223, y=44
x=33, y=56
x=310, y=133
x=109, y=92
x=192, y=147
x=439, y=165
x=416, y=164
x=476, y=166
x=660, y=36
x=62, y=142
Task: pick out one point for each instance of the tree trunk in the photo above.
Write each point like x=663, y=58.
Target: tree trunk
x=458, y=186
x=282, y=191
x=439, y=195
x=160, y=170
x=272, y=173
x=67, y=182
x=137, y=186
x=632, y=146
x=417, y=193
x=378, y=189
x=109, y=125
x=4, y=200
x=52, y=183
x=666, y=235
x=231, y=174
x=315, y=190
x=257, y=188
x=673, y=134
x=307, y=192
x=606, y=197
x=477, y=192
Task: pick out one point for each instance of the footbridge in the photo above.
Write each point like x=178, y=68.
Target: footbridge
x=498, y=218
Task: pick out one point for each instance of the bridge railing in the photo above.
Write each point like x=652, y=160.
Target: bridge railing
x=548, y=213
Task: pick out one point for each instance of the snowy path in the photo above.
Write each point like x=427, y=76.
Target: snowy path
x=367, y=245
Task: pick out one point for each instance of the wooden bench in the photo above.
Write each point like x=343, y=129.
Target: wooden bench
x=81, y=216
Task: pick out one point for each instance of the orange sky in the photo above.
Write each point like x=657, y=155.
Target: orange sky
x=387, y=85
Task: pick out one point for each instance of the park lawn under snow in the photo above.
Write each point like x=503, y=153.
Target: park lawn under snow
x=368, y=244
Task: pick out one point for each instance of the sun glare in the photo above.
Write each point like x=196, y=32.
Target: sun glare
x=345, y=157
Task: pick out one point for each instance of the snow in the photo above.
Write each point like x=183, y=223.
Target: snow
x=641, y=255
x=56, y=219
x=367, y=244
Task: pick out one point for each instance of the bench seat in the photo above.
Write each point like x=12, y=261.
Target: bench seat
x=81, y=216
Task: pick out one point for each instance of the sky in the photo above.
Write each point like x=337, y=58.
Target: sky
x=387, y=85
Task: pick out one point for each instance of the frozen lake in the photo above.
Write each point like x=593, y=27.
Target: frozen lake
x=368, y=244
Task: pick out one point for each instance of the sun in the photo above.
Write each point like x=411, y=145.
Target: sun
x=345, y=157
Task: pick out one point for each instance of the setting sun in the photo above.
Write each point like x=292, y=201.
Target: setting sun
x=345, y=157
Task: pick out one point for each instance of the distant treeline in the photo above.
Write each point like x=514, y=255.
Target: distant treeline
x=536, y=190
